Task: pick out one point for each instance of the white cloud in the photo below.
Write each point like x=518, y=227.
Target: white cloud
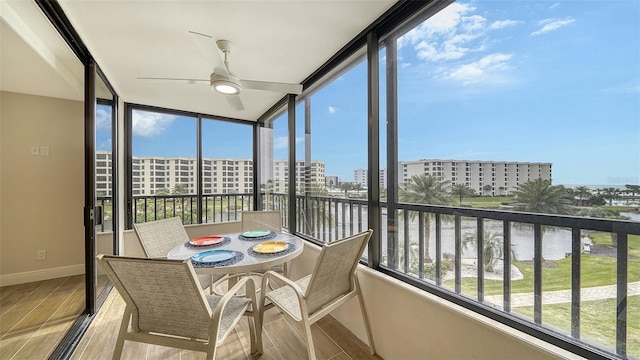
x=332, y=110
x=483, y=69
x=628, y=88
x=148, y=124
x=444, y=22
x=103, y=119
x=448, y=35
x=473, y=23
x=501, y=24
x=456, y=45
x=551, y=25
x=105, y=145
x=449, y=51
x=554, y=6
x=282, y=142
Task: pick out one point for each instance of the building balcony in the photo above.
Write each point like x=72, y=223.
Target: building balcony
x=428, y=293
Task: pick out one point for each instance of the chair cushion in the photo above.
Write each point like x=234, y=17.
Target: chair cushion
x=285, y=297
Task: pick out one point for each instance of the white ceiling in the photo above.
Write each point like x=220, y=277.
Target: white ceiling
x=34, y=59
x=274, y=40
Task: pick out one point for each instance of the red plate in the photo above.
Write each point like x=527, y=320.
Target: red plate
x=206, y=240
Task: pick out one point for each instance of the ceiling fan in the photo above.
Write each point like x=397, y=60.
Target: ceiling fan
x=222, y=79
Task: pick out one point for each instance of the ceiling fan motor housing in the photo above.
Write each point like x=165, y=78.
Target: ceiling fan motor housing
x=230, y=85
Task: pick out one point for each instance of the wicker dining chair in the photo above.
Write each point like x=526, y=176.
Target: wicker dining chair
x=174, y=311
x=261, y=220
x=160, y=236
x=332, y=283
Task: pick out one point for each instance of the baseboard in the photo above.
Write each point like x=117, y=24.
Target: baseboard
x=39, y=275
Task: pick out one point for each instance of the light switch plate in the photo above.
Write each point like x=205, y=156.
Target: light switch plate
x=35, y=150
x=44, y=150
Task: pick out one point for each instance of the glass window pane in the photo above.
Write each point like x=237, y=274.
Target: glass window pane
x=525, y=107
x=335, y=160
x=274, y=157
x=104, y=166
x=164, y=150
x=227, y=154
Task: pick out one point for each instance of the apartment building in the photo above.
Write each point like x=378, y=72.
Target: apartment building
x=164, y=175
x=502, y=176
x=280, y=176
x=331, y=181
x=360, y=176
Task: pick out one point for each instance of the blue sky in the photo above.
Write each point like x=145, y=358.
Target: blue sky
x=543, y=81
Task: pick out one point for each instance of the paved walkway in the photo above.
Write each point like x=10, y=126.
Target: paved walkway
x=564, y=296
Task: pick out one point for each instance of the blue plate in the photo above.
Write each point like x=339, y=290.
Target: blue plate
x=213, y=256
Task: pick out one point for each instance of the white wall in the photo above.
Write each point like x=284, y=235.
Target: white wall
x=408, y=323
x=41, y=197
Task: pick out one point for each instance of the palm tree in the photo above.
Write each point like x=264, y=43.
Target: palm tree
x=540, y=196
x=493, y=248
x=180, y=189
x=582, y=191
x=462, y=191
x=425, y=189
x=633, y=190
x=346, y=187
x=610, y=194
x=358, y=187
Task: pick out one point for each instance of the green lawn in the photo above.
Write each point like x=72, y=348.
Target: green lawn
x=633, y=242
x=597, y=321
x=598, y=318
x=486, y=202
x=596, y=271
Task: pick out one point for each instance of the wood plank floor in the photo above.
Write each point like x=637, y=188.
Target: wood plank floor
x=34, y=317
x=34, y=320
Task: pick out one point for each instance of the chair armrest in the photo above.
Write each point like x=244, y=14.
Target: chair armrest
x=284, y=279
x=250, y=291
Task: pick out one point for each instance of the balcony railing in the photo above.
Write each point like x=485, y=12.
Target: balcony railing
x=216, y=207
x=453, y=250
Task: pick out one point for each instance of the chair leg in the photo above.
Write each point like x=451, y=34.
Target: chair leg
x=124, y=327
x=211, y=353
x=365, y=318
x=259, y=320
x=310, y=349
x=252, y=332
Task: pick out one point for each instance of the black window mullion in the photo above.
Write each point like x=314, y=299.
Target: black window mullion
x=199, y=165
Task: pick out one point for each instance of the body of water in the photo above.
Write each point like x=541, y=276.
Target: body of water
x=556, y=242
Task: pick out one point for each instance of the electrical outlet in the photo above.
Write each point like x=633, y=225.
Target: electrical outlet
x=35, y=150
x=42, y=254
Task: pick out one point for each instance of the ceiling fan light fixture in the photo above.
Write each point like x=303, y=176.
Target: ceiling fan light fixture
x=227, y=86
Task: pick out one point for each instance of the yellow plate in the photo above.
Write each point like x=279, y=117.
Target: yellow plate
x=270, y=247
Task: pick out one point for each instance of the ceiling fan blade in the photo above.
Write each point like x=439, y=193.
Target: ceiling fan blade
x=272, y=86
x=209, y=49
x=173, y=81
x=235, y=102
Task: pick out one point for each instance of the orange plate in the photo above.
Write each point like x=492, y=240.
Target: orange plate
x=206, y=240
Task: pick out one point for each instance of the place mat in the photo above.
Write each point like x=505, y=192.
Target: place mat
x=271, y=235
x=226, y=241
x=291, y=248
x=238, y=256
